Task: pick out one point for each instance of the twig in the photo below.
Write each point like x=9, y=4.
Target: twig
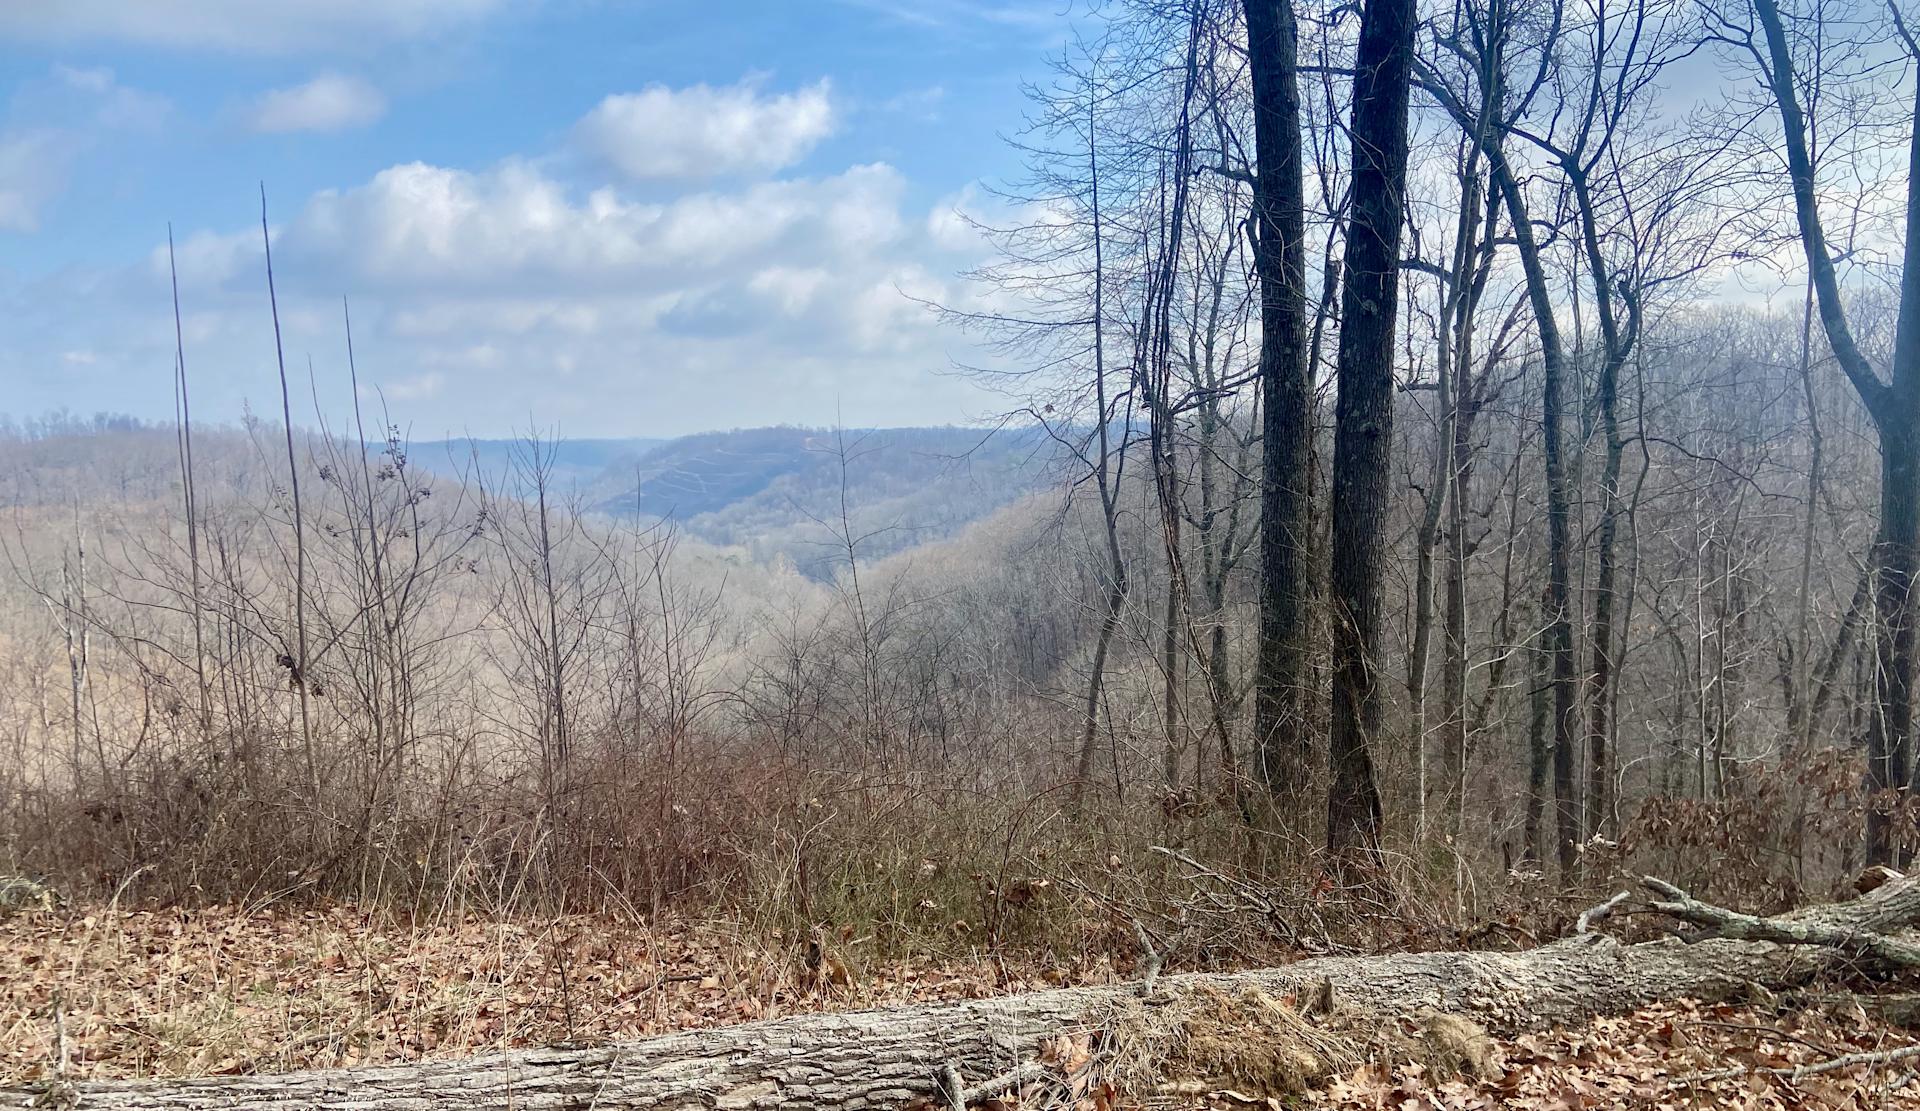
x=1032, y=1070
x=61, y=1052
x=948, y=1083
x=1154, y=959
x=1584, y=924
x=1764, y=1032
x=1880, y=1057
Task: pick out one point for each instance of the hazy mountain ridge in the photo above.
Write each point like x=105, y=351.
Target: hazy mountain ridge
x=573, y=464
x=778, y=492
x=769, y=494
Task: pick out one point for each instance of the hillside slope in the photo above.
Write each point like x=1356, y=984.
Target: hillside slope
x=778, y=492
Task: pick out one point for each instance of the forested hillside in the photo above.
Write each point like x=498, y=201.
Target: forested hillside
x=576, y=462
x=1440, y=573
x=788, y=493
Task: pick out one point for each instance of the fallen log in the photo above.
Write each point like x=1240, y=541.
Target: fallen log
x=892, y=1058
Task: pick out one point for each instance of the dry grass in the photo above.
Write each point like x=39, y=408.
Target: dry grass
x=1264, y=1047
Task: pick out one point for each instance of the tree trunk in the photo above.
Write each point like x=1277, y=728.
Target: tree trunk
x=1895, y=409
x=1363, y=419
x=1897, y=550
x=1489, y=130
x=1419, y=656
x=1283, y=745
x=1107, y=466
x=887, y=1058
x=1558, y=602
x=1605, y=593
x=1539, y=748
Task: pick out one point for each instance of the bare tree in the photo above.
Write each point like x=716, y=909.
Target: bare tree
x=1894, y=406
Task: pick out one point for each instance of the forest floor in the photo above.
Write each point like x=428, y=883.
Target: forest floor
x=98, y=992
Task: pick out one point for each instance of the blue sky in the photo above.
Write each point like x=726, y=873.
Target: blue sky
x=644, y=217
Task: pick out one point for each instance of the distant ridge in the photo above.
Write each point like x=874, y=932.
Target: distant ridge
x=575, y=462
x=776, y=492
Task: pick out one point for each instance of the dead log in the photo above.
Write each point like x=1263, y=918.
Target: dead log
x=1857, y=938
x=890, y=1058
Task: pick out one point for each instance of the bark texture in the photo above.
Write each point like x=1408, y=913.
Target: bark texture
x=1283, y=745
x=888, y=1058
x=1363, y=419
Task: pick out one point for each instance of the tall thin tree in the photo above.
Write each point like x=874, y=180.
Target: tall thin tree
x=296, y=665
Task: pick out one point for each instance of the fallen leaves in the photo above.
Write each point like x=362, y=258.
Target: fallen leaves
x=99, y=992
x=1655, y=1058
x=104, y=992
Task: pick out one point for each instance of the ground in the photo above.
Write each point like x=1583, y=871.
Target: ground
x=96, y=992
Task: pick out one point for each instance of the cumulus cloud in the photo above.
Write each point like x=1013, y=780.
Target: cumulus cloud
x=478, y=292
x=329, y=102
x=702, y=131
x=959, y=221
x=514, y=226
x=243, y=25
x=790, y=289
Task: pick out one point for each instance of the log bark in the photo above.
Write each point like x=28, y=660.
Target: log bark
x=890, y=1058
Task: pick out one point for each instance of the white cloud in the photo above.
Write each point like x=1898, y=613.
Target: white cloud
x=702, y=131
x=513, y=227
x=791, y=289
x=244, y=25
x=419, y=387
x=922, y=105
x=482, y=298
x=93, y=98
x=329, y=102
x=205, y=258
x=958, y=221
x=33, y=170
x=951, y=15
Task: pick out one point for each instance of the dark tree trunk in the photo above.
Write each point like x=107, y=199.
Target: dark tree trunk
x=1610, y=295
x=1539, y=748
x=1283, y=746
x=1363, y=420
x=1897, y=550
x=1895, y=409
x=1605, y=590
x=1566, y=800
x=1558, y=632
